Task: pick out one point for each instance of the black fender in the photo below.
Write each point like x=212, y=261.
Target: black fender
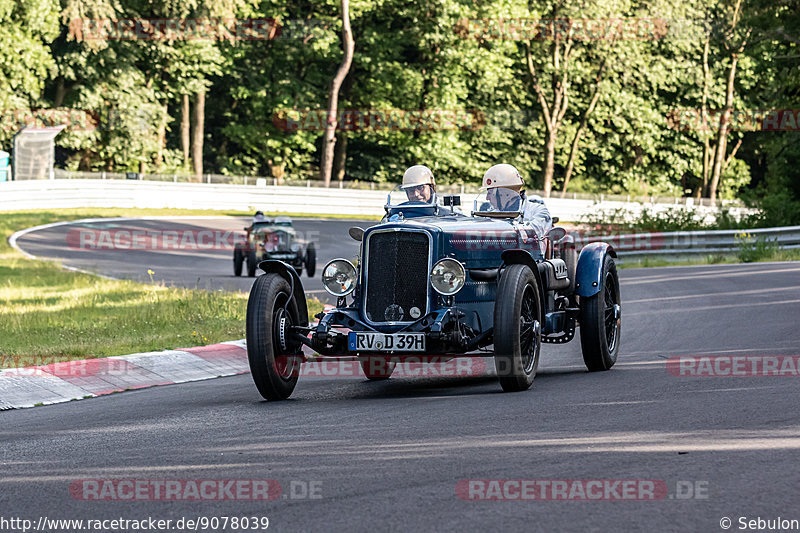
x=273, y=266
x=590, y=268
x=523, y=257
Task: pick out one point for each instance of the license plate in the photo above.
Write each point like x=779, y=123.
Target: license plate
x=386, y=342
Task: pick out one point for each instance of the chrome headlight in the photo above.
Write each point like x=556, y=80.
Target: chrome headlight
x=339, y=277
x=448, y=277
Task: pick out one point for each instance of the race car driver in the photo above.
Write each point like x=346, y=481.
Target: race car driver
x=419, y=185
x=505, y=192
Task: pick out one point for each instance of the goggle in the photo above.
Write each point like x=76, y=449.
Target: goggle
x=503, y=199
x=417, y=188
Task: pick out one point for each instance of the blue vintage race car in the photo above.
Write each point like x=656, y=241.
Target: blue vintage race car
x=433, y=282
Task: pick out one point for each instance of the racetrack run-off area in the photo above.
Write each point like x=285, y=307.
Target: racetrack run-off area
x=401, y=454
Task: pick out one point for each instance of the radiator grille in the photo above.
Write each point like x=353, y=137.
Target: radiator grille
x=397, y=276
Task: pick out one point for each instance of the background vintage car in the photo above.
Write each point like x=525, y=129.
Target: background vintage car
x=273, y=239
x=433, y=282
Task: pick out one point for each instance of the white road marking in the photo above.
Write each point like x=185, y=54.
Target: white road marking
x=712, y=307
x=710, y=274
x=706, y=295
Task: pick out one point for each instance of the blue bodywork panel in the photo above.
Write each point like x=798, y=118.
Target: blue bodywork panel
x=590, y=268
x=293, y=279
x=478, y=243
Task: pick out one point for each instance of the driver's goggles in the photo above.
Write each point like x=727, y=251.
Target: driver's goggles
x=417, y=188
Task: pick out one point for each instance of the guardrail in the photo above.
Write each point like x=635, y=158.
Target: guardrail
x=635, y=246
x=470, y=188
x=64, y=194
x=69, y=193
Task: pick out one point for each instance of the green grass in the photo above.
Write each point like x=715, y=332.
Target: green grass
x=49, y=312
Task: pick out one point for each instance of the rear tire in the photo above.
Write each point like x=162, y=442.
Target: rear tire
x=517, y=328
x=252, y=263
x=377, y=368
x=238, y=261
x=311, y=260
x=275, y=369
x=601, y=320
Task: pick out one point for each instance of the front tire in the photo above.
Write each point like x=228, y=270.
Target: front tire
x=600, y=320
x=517, y=328
x=275, y=368
x=238, y=261
x=252, y=263
x=311, y=260
x=377, y=368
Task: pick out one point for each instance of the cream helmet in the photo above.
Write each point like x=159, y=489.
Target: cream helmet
x=502, y=175
x=417, y=175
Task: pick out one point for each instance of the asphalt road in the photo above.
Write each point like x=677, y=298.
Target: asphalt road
x=189, y=252
x=387, y=456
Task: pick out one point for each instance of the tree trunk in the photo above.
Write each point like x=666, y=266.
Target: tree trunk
x=581, y=127
x=162, y=139
x=551, y=114
x=340, y=157
x=720, y=160
x=197, y=146
x=703, y=191
x=61, y=92
x=722, y=134
x=329, y=139
x=185, y=135
x=549, y=160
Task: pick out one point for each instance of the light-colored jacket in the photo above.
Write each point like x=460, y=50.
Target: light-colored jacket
x=536, y=215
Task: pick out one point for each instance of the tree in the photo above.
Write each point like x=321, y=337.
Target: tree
x=329, y=139
x=24, y=28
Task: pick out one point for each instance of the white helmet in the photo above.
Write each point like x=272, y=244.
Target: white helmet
x=417, y=175
x=501, y=175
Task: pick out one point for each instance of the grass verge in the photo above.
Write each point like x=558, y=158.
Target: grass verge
x=50, y=315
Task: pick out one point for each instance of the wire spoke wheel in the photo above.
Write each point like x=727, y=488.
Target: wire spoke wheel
x=517, y=328
x=611, y=314
x=529, y=329
x=274, y=358
x=601, y=320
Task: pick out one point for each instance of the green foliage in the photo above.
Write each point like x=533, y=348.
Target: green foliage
x=752, y=249
x=424, y=55
x=670, y=219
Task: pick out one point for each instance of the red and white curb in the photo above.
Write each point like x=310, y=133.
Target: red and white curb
x=76, y=380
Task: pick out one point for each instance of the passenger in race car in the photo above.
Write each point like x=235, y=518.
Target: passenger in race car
x=504, y=191
x=419, y=185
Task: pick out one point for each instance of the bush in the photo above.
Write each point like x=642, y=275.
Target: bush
x=690, y=219
x=752, y=249
x=665, y=220
x=777, y=209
